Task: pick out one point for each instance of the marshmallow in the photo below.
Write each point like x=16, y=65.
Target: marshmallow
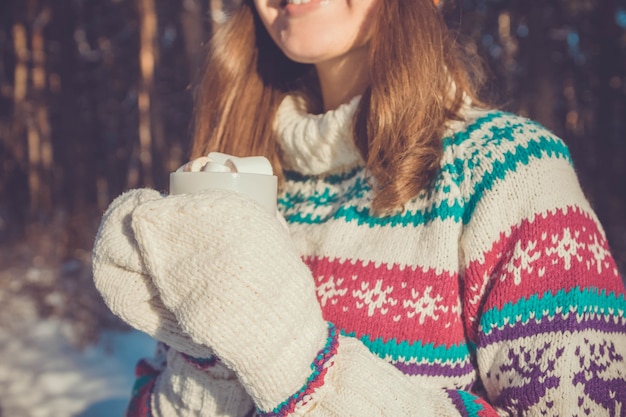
x=194, y=166
x=251, y=165
x=216, y=167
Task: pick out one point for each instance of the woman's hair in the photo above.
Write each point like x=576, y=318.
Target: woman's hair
x=418, y=81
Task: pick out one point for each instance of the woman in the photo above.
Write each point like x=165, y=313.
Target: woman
x=440, y=257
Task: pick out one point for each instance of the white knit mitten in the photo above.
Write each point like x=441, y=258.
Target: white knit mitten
x=229, y=273
x=200, y=389
x=121, y=278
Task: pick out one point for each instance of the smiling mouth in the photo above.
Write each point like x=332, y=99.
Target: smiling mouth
x=284, y=3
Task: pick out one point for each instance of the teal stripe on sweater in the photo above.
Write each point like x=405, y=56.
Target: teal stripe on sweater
x=330, y=179
x=472, y=404
x=325, y=196
x=477, y=125
x=540, y=147
x=396, y=350
x=548, y=305
x=547, y=146
x=141, y=382
x=363, y=216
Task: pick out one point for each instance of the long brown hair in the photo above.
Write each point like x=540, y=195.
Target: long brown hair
x=418, y=79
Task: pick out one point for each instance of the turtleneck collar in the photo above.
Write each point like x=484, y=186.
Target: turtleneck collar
x=316, y=144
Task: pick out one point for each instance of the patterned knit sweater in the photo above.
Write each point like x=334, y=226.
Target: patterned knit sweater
x=495, y=286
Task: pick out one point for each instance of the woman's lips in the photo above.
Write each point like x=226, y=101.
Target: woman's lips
x=297, y=8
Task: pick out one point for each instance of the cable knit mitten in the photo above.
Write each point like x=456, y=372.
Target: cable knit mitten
x=121, y=278
x=229, y=273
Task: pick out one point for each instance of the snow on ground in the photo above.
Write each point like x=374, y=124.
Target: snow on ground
x=43, y=375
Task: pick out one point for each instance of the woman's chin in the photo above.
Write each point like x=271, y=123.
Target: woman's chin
x=313, y=55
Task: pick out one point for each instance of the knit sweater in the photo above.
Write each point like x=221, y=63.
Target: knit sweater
x=494, y=290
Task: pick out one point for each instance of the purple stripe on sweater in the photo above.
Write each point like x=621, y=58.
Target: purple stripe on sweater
x=458, y=402
x=435, y=369
x=558, y=323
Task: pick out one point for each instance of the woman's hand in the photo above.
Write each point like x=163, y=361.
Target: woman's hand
x=229, y=273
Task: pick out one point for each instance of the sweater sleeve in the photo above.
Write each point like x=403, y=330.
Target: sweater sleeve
x=544, y=302
x=172, y=384
x=352, y=381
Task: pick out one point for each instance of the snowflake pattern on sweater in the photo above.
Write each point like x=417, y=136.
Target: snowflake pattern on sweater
x=495, y=287
x=498, y=280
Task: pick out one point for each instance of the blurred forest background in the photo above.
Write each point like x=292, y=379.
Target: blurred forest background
x=95, y=98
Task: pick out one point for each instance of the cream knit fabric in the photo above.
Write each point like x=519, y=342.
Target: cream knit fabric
x=493, y=293
x=121, y=278
x=315, y=144
x=185, y=389
x=229, y=273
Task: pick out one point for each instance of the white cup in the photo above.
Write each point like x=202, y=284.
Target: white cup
x=259, y=187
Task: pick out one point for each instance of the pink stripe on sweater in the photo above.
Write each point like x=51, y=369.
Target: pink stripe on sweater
x=385, y=302
x=556, y=251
